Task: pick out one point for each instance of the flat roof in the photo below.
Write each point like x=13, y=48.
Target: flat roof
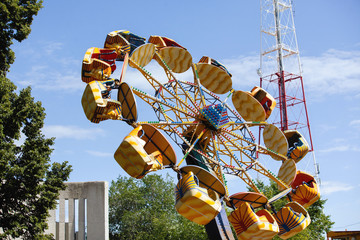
x=343, y=233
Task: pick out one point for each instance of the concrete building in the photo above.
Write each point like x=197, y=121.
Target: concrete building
x=82, y=212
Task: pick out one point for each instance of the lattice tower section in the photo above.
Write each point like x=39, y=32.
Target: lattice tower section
x=280, y=69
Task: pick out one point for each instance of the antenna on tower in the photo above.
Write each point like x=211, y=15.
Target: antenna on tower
x=280, y=70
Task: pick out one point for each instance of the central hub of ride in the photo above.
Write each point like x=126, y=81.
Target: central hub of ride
x=216, y=115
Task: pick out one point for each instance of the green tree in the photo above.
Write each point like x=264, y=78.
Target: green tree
x=29, y=184
x=320, y=223
x=144, y=209
x=16, y=17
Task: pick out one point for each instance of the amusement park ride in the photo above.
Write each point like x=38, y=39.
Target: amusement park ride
x=214, y=134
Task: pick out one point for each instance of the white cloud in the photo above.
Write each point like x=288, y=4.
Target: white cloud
x=326, y=127
x=40, y=51
x=340, y=145
x=72, y=132
x=340, y=148
x=48, y=69
x=99, y=154
x=334, y=72
x=51, y=47
x=355, y=124
x=329, y=187
x=45, y=78
x=243, y=70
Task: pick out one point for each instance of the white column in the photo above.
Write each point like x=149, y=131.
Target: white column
x=61, y=232
x=97, y=211
x=71, y=225
x=81, y=228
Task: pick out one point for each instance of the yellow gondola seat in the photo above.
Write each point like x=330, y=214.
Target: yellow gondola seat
x=106, y=86
x=251, y=225
x=104, y=54
x=305, y=189
x=208, y=60
x=212, y=75
x=194, y=202
x=95, y=107
x=133, y=39
x=161, y=42
x=94, y=68
x=265, y=99
x=292, y=219
x=171, y=55
x=133, y=158
x=298, y=147
x=115, y=41
x=123, y=42
x=144, y=150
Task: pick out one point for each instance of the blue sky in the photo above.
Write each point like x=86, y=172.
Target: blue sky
x=228, y=31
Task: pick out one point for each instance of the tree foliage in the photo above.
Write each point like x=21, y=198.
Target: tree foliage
x=144, y=209
x=16, y=17
x=320, y=223
x=29, y=184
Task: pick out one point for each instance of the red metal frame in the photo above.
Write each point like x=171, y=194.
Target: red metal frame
x=291, y=103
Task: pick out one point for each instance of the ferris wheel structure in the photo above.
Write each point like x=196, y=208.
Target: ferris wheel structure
x=210, y=122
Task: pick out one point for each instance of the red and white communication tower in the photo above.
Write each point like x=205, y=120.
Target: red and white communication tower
x=280, y=69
